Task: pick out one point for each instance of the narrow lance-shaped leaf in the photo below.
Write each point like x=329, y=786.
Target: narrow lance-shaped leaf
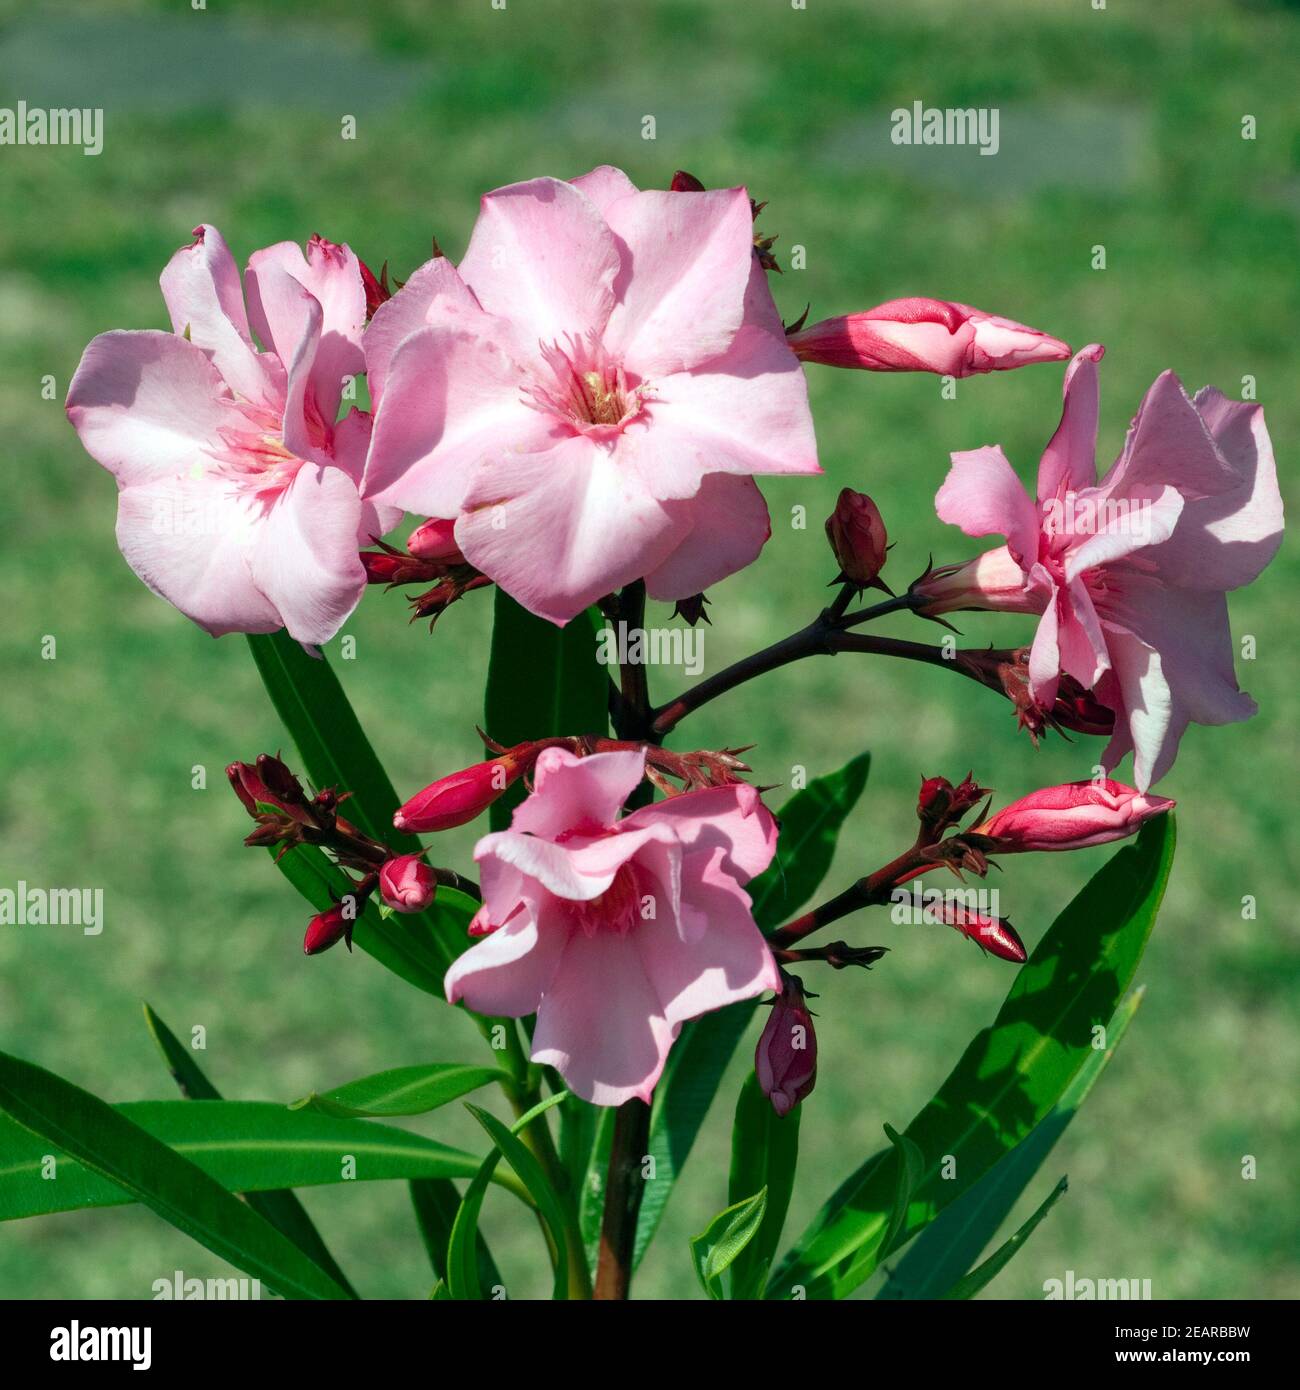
x=810, y=824
x=282, y=1209
x=543, y=681
x=106, y=1142
x=948, y=1247
x=462, y=1277
x=1009, y=1078
x=979, y=1278
x=722, y=1241
x=401, y=1091
x=436, y=1202
x=245, y=1146
x=764, y=1152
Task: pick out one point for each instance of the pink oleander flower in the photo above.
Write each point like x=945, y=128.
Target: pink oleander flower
x=1076, y=815
x=785, y=1059
x=1129, y=574
x=589, y=393
x=615, y=932
x=925, y=335
x=238, y=498
x=407, y=883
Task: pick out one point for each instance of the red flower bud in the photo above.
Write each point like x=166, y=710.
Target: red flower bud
x=435, y=540
x=326, y=929
x=270, y=783
x=1073, y=816
x=995, y=934
x=785, y=1059
x=685, y=183
x=377, y=291
x=939, y=804
x=856, y=532
x=383, y=568
x=407, y=883
x=460, y=797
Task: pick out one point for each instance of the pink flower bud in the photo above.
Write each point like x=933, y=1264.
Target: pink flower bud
x=457, y=799
x=1072, y=816
x=925, y=335
x=993, y=580
x=785, y=1059
x=435, y=539
x=856, y=532
x=407, y=883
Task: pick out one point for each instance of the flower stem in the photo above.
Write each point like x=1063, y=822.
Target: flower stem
x=624, y=1187
x=827, y=635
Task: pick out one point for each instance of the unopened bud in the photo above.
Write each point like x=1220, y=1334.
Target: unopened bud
x=1075, y=815
x=435, y=539
x=407, y=883
x=785, y=1059
x=925, y=335
x=458, y=798
x=856, y=532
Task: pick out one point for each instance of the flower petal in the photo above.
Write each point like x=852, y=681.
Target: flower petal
x=303, y=555
x=686, y=265
x=147, y=405
x=201, y=287
x=604, y=185
x=559, y=529
x=569, y=791
x=543, y=256
x=601, y=1024
x=451, y=401
x=187, y=538
x=726, y=961
x=723, y=529
x=510, y=970
x=408, y=310
x=983, y=496
x=1069, y=463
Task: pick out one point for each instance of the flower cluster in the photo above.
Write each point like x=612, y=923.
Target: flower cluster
x=577, y=412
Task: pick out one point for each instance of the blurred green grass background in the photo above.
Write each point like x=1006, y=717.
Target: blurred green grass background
x=1120, y=127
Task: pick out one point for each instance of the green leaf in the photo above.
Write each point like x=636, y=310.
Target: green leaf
x=334, y=749
x=988, y=1271
x=764, y=1152
x=910, y=1166
x=336, y=753
x=1010, y=1076
x=719, y=1244
x=436, y=1202
x=547, y=1200
x=246, y=1146
x=591, y=1195
x=105, y=1142
x=810, y=823
x=282, y=1209
x=948, y=1247
x=402, y=1091
x=542, y=681
x=462, y=1277
x=810, y=827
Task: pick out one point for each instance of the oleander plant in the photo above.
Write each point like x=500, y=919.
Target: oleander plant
x=576, y=415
